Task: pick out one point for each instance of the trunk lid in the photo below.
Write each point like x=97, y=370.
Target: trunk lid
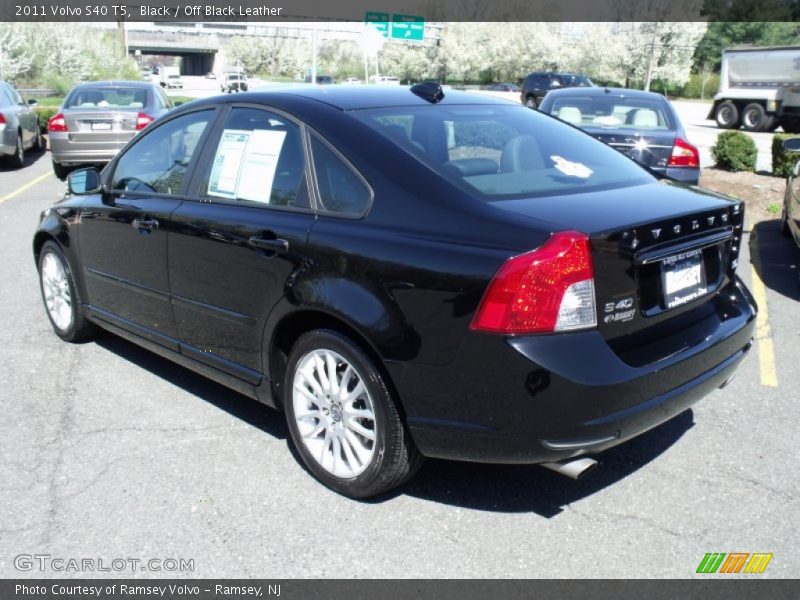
x=660, y=252
x=101, y=125
x=651, y=149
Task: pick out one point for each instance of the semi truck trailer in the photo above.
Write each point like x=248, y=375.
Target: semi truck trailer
x=759, y=89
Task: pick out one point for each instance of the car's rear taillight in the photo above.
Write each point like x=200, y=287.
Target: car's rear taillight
x=143, y=120
x=684, y=155
x=2, y=120
x=57, y=123
x=548, y=289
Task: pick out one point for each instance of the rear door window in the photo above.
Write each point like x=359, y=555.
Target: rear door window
x=258, y=159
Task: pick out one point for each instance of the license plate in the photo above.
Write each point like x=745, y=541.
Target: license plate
x=101, y=126
x=682, y=278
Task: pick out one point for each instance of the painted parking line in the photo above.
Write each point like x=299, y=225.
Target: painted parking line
x=27, y=186
x=766, y=349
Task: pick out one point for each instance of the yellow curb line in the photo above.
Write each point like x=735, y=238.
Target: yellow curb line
x=766, y=349
x=27, y=186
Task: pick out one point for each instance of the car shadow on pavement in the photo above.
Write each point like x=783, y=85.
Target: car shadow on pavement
x=237, y=405
x=498, y=488
x=531, y=488
x=31, y=158
x=776, y=258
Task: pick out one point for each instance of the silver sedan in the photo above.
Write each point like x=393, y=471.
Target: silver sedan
x=19, y=126
x=98, y=118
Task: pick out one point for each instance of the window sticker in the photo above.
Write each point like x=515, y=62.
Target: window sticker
x=572, y=169
x=245, y=163
x=227, y=163
x=259, y=164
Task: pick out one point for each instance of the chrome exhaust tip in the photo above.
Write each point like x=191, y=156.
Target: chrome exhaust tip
x=572, y=468
x=725, y=383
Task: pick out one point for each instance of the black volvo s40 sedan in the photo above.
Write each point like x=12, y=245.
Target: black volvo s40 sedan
x=406, y=273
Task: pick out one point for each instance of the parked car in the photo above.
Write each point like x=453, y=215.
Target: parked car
x=641, y=125
x=352, y=81
x=98, y=118
x=407, y=273
x=536, y=85
x=384, y=80
x=19, y=127
x=321, y=79
x=790, y=215
x=503, y=87
x=233, y=82
x=211, y=75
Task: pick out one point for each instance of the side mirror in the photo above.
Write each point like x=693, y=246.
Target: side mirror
x=84, y=181
x=791, y=145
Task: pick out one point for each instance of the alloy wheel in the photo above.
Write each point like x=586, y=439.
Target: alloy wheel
x=334, y=413
x=57, y=297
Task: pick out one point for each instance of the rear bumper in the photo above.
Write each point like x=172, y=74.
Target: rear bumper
x=69, y=153
x=548, y=398
x=683, y=174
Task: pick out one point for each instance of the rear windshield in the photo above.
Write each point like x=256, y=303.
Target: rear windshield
x=611, y=112
x=107, y=97
x=505, y=151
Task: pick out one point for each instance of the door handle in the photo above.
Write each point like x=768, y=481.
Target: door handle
x=278, y=246
x=148, y=224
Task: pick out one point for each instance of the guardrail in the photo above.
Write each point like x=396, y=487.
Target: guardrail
x=37, y=91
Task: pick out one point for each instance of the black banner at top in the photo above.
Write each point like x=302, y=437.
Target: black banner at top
x=190, y=11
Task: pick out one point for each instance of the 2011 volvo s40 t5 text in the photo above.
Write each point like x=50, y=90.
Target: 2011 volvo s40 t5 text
x=406, y=273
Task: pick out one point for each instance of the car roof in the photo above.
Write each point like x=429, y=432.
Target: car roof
x=606, y=91
x=359, y=97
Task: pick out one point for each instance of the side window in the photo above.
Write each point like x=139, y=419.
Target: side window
x=16, y=97
x=259, y=158
x=162, y=99
x=157, y=162
x=340, y=189
x=7, y=96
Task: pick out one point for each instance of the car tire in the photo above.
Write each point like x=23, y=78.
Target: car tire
x=60, y=296
x=754, y=118
x=17, y=160
x=530, y=102
x=351, y=438
x=60, y=171
x=38, y=144
x=727, y=115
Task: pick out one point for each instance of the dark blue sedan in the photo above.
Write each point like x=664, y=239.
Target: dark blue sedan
x=641, y=125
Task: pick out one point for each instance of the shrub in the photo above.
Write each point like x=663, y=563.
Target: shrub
x=735, y=151
x=44, y=113
x=783, y=162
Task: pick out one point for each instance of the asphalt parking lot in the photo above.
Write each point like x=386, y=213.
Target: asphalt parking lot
x=108, y=451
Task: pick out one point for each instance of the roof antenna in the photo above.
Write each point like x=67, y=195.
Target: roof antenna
x=428, y=90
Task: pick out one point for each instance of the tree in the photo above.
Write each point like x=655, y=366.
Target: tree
x=15, y=59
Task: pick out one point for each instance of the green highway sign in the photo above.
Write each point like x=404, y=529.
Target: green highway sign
x=379, y=21
x=408, y=27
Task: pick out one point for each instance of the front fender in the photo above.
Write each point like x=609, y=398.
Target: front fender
x=56, y=224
